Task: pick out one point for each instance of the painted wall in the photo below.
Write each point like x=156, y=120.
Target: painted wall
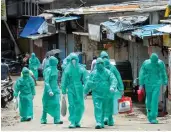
x=71, y=43
x=61, y=43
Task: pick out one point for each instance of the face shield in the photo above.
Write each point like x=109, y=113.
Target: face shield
x=73, y=62
x=104, y=57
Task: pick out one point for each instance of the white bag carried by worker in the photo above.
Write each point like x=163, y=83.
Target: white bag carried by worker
x=63, y=107
x=15, y=103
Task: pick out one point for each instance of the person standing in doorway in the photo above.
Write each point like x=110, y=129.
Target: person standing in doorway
x=93, y=63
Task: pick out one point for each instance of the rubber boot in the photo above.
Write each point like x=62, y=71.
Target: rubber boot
x=98, y=126
x=110, y=121
x=77, y=125
x=154, y=121
x=106, y=121
x=72, y=125
x=43, y=119
x=57, y=121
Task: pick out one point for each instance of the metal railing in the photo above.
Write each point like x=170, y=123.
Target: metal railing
x=30, y=8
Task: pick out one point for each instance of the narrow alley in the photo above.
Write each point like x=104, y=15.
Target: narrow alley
x=134, y=121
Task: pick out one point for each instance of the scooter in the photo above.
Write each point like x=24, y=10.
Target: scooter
x=6, y=92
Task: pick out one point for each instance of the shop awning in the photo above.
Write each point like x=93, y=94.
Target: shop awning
x=39, y=36
x=148, y=30
x=63, y=19
x=32, y=27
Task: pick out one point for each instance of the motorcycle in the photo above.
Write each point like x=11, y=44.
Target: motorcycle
x=6, y=92
x=15, y=66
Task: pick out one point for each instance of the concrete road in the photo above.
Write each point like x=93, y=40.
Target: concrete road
x=135, y=121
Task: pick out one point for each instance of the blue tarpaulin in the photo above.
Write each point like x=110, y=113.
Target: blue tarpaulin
x=148, y=30
x=63, y=19
x=32, y=26
x=118, y=26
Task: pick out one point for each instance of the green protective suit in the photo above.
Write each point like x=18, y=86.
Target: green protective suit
x=34, y=64
x=46, y=65
x=66, y=61
x=104, y=55
x=25, y=87
x=73, y=78
x=100, y=82
x=51, y=104
x=120, y=85
x=152, y=76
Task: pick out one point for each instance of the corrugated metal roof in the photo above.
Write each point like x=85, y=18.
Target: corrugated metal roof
x=80, y=33
x=148, y=30
x=139, y=6
x=32, y=26
x=63, y=19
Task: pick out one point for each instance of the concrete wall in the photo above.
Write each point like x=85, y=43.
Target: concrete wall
x=137, y=55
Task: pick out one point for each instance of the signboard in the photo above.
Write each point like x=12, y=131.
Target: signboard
x=110, y=36
x=94, y=32
x=3, y=10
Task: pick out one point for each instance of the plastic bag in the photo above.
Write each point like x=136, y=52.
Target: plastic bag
x=15, y=103
x=117, y=96
x=63, y=107
x=141, y=95
x=125, y=105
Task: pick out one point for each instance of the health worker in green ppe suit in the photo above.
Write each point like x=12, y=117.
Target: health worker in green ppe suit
x=120, y=89
x=34, y=64
x=103, y=84
x=152, y=76
x=25, y=87
x=51, y=95
x=66, y=61
x=73, y=78
x=120, y=85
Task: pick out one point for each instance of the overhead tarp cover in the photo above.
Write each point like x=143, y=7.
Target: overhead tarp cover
x=165, y=29
x=148, y=30
x=63, y=19
x=33, y=26
x=122, y=24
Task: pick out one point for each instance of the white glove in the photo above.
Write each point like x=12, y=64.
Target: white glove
x=112, y=90
x=140, y=87
x=164, y=88
x=51, y=94
x=122, y=92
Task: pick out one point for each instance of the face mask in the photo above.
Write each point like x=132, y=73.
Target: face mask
x=99, y=67
x=25, y=75
x=74, y=62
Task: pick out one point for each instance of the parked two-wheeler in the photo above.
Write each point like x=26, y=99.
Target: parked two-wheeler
x=6, y=92
x=15, y=66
